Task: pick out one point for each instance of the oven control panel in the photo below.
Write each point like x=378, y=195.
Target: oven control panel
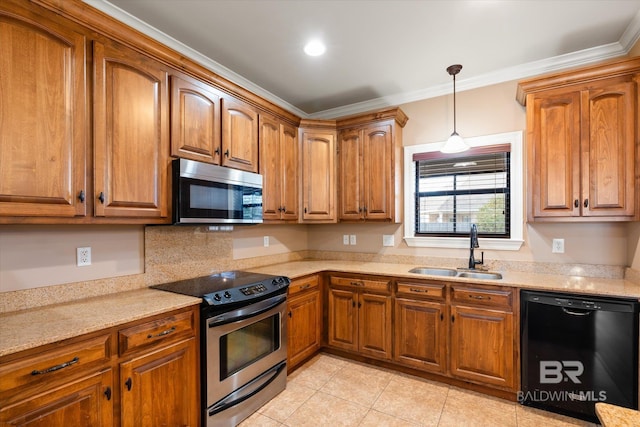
x=248, y=293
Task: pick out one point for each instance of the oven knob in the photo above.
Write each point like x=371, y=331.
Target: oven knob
x=274, y=282
x=217, y=297
x=227, y=294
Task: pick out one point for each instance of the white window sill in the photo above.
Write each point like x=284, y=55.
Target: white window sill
x=463, y=242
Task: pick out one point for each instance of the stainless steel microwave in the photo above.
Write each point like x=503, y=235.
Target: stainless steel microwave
x=209, y=194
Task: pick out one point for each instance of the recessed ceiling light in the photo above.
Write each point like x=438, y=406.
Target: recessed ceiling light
x=314, y=48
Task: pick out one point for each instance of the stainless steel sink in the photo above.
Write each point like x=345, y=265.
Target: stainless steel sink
x=479, y=275
x=448, y=272
x=432, y=271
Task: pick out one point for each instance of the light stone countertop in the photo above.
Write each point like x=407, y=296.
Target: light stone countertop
x=532, y=281
x=617, y=416
x=25, y=329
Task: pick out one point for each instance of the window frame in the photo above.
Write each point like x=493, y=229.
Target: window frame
x=516, y=214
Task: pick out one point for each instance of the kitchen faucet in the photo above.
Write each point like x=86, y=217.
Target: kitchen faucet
x=474, y=244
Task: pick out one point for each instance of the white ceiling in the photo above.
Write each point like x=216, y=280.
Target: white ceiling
x=381, y=52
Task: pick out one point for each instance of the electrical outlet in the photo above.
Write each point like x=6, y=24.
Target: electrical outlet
x=352, y=239
x=83, y=256
x=345, y=239
x=266, y=241
x=557, y=246
x=388, y=240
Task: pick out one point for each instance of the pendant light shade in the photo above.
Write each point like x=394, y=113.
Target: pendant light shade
x=455, y=143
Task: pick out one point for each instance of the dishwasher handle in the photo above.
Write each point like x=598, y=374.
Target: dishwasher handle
x=577, y=313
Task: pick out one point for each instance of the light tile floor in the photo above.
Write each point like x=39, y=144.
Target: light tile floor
x=332, y=391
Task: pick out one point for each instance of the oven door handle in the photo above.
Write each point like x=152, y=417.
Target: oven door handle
x=249, y=390
x=246, y=312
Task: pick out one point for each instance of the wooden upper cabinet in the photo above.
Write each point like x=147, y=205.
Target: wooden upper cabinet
x=370, y=166
x=366, y=179
x=318, y=176
x=239, y=135
x=195, y=120
x=131, y=140
x=43, y=119
x=279, y=169
x=581, y=133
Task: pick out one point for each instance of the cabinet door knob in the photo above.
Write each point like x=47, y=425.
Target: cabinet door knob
x=305, y=210
x=226, y=153
x=289, y=314
x=128, y=384
x=217, y=151
x=107, y=393
x=81, y=196
x=586, y=203
x=576, y=203
x=101, y=197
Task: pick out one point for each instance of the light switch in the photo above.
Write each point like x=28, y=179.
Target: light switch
x=345, y=239
x=352, y=239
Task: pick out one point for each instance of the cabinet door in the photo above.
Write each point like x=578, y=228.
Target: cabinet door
x=270, y=167
x=343, y=319
x=43, y=128
x=374, y=325
x=482, y=345
x=131, y=135
x=553, y=122
x=608, y=182
x=304, y=328
x=87, y=401
x=239, y=136
x=350, y=175
x=378, y=173
x=420, y=331
x=289, y=168
x=161, y=387
x=195, y=120
x=318, y=176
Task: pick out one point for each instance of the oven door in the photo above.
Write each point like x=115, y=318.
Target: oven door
x=244, y=344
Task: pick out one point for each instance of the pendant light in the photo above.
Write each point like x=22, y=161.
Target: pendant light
x=455, y=143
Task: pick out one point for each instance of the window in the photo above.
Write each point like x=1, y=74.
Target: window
x=454, y=192
x=445, y=194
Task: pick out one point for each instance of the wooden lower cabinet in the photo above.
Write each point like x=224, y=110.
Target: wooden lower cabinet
x=358, y=319
x=482, y=345
x=304, y=328
x=483, y=335
x=159, y=388
x=86, y=402
x=420, y=334
x=147, y=378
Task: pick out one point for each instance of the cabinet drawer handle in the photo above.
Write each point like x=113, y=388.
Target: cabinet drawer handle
x=163, y=333
x=57, y=367
x=479, y=297
x=305, y=286
x=357, y=284
x=101, y=197
x=586, y=203
x=81, y=196
x=128, y=383
x=576, y=203
x=107, y=393
x=417, y=290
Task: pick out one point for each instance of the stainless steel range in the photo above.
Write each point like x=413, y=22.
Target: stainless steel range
x=243, y=341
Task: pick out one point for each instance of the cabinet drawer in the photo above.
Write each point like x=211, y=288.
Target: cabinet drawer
x=488, y=297
x=166, y=329
x=422, y=290
x=303, y=284
x=56, y=364
x=371, y=285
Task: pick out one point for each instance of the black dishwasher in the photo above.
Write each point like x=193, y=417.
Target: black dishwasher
x=578, y=350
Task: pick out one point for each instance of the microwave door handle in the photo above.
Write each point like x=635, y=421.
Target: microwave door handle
x=246, y=312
